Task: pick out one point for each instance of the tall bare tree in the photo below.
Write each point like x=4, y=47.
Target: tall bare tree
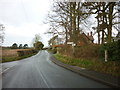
x=67, y=15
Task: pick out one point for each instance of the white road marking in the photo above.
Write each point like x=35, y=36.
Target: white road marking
x=42, y=76
x=5, y=70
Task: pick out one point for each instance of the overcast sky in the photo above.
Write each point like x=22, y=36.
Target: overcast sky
x=23, y=19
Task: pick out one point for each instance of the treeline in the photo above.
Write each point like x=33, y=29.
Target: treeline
x=20, y=46
x=69, y=18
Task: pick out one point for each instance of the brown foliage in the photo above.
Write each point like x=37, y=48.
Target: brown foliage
x=87, y=51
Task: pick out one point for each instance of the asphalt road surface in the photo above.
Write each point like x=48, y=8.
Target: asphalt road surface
x=39, y=72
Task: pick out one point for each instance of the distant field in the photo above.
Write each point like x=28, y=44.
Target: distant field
x=11, y=52
x=9, y=55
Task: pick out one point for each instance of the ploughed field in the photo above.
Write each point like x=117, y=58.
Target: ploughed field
x=11, y=52
x=9, y=55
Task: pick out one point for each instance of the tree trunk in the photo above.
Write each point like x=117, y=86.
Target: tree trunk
x=98, y=31
x=74, y=23
x=103, y=22
x=66, y=32
x=78, y=18
x=70, y=29
x=110, y=17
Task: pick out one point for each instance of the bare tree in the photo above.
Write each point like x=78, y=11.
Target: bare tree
x=36, y=39
x=66, y=16
x=106, y=14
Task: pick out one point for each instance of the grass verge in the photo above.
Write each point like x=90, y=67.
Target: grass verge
x=9, y=59
x=111, y=67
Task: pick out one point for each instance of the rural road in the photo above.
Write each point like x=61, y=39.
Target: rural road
x=39, y=72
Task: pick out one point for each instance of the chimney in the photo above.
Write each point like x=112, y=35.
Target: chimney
x=87, y=34
x=90, y=33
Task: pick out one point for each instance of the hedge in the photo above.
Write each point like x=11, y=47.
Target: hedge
x=22, y=53
x=113, y=50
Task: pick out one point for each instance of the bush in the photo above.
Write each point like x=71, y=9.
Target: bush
x=54, y=51
x=34, y=51
x=38, y=45
x=113, y=50
x=20, y=53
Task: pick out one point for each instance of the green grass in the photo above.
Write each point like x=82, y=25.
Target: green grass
x=9, y=59
x=111, y=67
x=74, y=61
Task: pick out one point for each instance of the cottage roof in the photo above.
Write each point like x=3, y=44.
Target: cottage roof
x=60, y=45
x=90, y=37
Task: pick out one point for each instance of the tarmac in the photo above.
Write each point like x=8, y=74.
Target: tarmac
x=107, y=79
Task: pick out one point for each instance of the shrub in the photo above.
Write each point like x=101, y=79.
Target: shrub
x=20, y=53
x=38, y=45
x=54, y=51
x=34, y=51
